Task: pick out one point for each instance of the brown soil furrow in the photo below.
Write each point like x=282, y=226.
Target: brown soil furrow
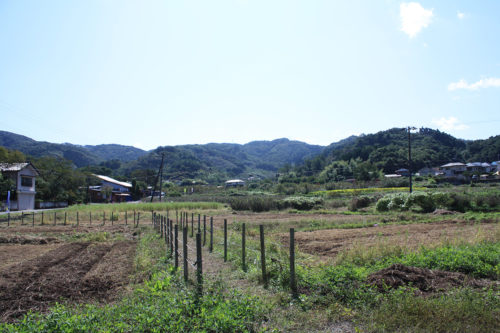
x=63, y=274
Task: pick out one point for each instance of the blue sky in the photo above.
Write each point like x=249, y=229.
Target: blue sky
x=150, y=73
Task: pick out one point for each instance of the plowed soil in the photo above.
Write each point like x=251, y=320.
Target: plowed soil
x=74, y=272
x=328, y=243
x=424, y=280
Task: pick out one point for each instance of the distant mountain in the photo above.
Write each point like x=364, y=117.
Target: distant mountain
x=213, y=161
x=217, y=161
x=79, y=155
x=116, y=152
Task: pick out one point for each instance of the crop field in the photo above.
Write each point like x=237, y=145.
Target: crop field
x=355, y=271
x=44, y=265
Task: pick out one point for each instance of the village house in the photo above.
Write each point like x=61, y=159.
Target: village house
x=23, y=175
x=453, y=170
x=235, y=183
x=110, y=190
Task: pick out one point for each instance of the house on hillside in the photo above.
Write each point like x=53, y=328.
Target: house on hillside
x=478, y=167
x=453, y=170
x=428, y=171
x=110, y=190
x=403, y=172
x=23, y=176
x=235, y=183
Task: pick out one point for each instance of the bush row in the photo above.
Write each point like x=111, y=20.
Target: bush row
x=264, y=204
x=428, y=202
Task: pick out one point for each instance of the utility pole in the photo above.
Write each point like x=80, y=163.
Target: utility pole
x=409, y=129
x=160, y=171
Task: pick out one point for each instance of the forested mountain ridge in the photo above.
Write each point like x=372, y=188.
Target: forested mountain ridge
x=384, y=151
x=79, y=155
x=215, y=162
x=387, y=151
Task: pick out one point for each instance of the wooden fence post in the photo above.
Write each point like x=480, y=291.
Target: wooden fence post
x=243, y=254
x=176, y=247
x=8, y=219
x=225, y=240
x=293, y=281
x=65, y=215
x=33, y=220
x=211, y=245
x=134, y=218
x=263, y=255
x=185, y=252
x=126, y=217
x=199, y=264
x=22, y=218
x=42, y=219
x=138, y=218
x=77, y=219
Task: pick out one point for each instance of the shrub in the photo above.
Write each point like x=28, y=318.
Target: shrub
x=301, y=203
x=253, y=203
x=359, y=202
x=383, y=204
x=424, y=200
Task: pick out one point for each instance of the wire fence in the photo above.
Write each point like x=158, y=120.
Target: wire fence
x=178, y=249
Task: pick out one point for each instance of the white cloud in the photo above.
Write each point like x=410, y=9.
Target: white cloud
x=414, y=18
x=460, y=15
x=483, y=83
x=449, y=124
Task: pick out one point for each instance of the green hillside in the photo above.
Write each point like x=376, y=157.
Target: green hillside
x=387, y=151
x=79, y=155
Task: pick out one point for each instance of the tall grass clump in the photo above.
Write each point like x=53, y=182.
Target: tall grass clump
x=147, y=206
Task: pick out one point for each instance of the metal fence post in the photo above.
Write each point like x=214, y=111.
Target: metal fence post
x=211, y=246
x=199, y=264
x=176, y=247
x=225, y=240
x=185, y=252
x=243, y=254
x=263, y=255
x=204, y=230
x=293, y=281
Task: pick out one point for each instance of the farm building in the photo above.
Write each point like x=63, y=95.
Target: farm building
x=23, y=175
x=235, y=183
x=110, y=190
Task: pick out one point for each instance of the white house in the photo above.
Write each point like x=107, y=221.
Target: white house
x=453, y=170
x=235, y=182
x=24, y=175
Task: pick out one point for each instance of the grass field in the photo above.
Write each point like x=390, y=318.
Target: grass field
x=361, y=271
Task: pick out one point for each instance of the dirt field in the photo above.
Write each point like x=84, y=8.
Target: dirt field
x=34, y=276
x=328, y=243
